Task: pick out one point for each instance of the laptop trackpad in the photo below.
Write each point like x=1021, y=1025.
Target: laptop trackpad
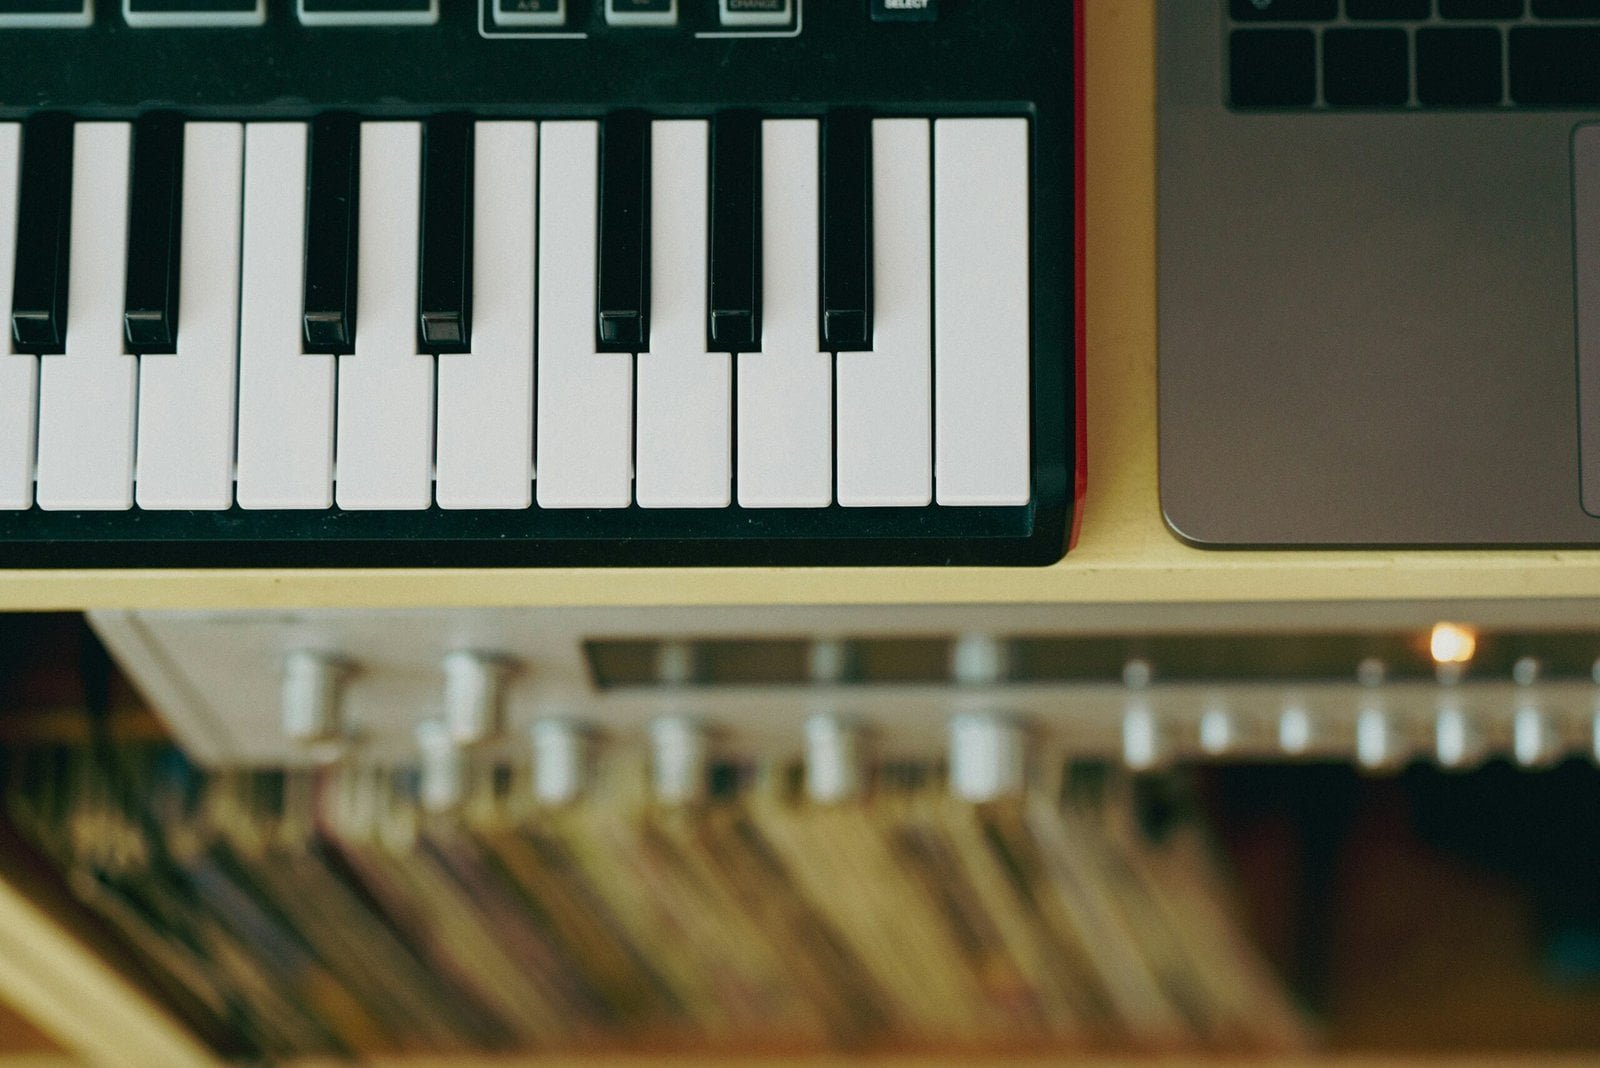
x=1586, y=245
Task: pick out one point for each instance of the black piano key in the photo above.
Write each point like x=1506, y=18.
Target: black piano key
x=155, y=213
x=847, y=232
x=623, y=298
x=735, y=290
x=444, y=277
x=331, y=221
x=44, y=221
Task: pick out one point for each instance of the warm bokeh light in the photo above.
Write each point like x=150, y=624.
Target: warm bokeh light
x=1451, y=643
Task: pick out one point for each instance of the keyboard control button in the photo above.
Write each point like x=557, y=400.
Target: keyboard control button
x=1284, y=10
x=176, y=14
x=1555, y=67
x=1366, y=68
x=542, y=13
x=1458, y=68
x=1386, y=10
x=24, y=14
x=905, y=10
x=369, y=12
x=1272, y=68
x=642, y=12
x=756, y=13
x=1480, y=9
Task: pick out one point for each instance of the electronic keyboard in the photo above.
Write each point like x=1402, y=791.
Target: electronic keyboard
x=538, y=282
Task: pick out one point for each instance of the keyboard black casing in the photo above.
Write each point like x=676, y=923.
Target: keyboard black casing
x=981, y=57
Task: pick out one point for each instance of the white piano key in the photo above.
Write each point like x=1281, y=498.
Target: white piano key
x=88, y=394
x=981, y=311
x=384, y=446
x=19, y=372
x=785, y=408
x=585, y=398
x=685, y=447
x=186, y=399
x=485, y=451
x=286, y=396
x=885, y=402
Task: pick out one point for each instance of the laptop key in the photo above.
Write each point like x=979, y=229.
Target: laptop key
x=1458, y=67
x=1566, y=9
x=1366, y=68
x=1480, y=9
x=1387, y=10
x=1272, y=68
x=1284, y=10
x=1553, y=67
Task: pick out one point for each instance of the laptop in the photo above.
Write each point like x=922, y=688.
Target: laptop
x=1379, y=271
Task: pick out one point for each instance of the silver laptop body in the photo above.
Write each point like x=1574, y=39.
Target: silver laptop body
x=1370, y=316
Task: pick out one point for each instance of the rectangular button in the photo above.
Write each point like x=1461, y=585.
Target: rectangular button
x=642, y=12
x=785, y=409
x=383, y=451
x=176, y=14
x=44, y=221
x=735, y=314
x=759, y=13
x=1566, y=9
x=846, y=232
x=150, y=321
x=1460, y=67
x=1284, y=10
x=905, y=10
x=444, y=287
x=369, y=12
x=1480, y=9
x=584, y=420
x=19, y=372
x=1366, y=68
x=42, y=14
x=186, y=400
x=87, y=395
x=624, y=276
x=535, y=13
x=1555, y=67
x=1387, y=9
x=485, y=451
x=286, y=397
x=885, y=403
x=684, y=455
x=332, y=225
x=981, y=312
x=1272, y=68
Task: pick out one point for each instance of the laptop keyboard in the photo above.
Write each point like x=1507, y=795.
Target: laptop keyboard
x=1413, y=54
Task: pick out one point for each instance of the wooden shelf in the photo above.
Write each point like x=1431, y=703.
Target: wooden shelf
x=1125, y=553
